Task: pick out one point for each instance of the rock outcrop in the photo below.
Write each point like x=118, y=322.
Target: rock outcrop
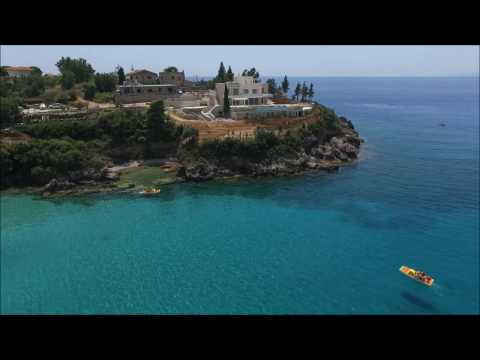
x=316, y=154
x=89, y=177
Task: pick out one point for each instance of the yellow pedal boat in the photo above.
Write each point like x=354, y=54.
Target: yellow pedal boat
x=417, y=275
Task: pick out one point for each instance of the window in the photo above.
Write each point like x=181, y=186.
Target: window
x=173, y=77
x=159, y=89
x=254, y=91
x=126, y=90
x=139, y=91
x=149, y=90
x=245, y=91
x=235, y=92
x=170, y=90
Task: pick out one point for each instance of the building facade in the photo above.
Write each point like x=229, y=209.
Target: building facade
x=243, y=90
x=19, y=71
x=137, y=93
x=258, y=112
x=177, y=78
x=142, y=77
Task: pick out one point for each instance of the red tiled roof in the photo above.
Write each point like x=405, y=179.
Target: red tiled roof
x=19, y=68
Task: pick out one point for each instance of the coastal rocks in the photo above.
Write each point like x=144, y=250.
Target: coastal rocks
x=58, y=185
x=92, y=175
x=323, y=152
x=197, y=172
x=110, y=175
x=181, y=172
x=345, y=122
x=309, y=142
x=82, y=178
x=225, y=173
x=344, y=150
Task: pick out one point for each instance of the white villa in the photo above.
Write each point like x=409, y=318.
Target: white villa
x=243, y=90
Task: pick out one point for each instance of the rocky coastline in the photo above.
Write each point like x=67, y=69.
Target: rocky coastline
x=315, y=155
x=329, y=156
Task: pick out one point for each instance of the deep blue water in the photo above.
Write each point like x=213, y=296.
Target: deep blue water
x=327, y=244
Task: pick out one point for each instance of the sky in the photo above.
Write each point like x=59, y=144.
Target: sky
x=269, y=60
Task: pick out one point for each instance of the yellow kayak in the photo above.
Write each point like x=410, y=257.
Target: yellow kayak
x=417, y=275
x=149, y=192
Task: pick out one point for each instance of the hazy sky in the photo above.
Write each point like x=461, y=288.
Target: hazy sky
x=268, y=60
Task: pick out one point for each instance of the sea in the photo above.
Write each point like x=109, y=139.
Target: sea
x=310, y=244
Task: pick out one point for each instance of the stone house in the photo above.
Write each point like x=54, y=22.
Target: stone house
x=137, y=93
x=142, y=77
x=177, y=78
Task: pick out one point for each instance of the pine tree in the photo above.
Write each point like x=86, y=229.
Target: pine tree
x=252, y=72
x=311, y=92
x=298, y=91
x=221, y=76
x=272, y=86
x=121, y=75
x=156, y=120
x=229, y=74
x=285, y=85
x=226, y=103
x=304, y=92
x=279, y=92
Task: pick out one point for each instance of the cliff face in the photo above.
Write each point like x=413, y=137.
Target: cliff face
x=317, y=153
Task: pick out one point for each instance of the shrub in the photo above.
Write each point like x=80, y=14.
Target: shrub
x=104, y=97
x=89, y=91
x=41, y=175
x=39, y=160
x=105, y=82
x=8, y=110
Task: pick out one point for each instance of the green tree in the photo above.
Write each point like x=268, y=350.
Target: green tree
x=171, y=69
x=67, y=79
x=252, y=72
x=33, y=85
x=89, y=91
x=50, y=80
x=304, y=92
x=8, y=110
x=272, y=86
x=311, y=92
x=230, y=74
x=278, y=92
x=221, y=76
x=298, y=91
x=285, y=85
x=36, y=70
x=226, y=103
x=105, y=82
x=82, y=71
x=156, y=120
x=120, y=75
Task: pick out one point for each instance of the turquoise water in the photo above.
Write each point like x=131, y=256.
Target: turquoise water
x=323, y=244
